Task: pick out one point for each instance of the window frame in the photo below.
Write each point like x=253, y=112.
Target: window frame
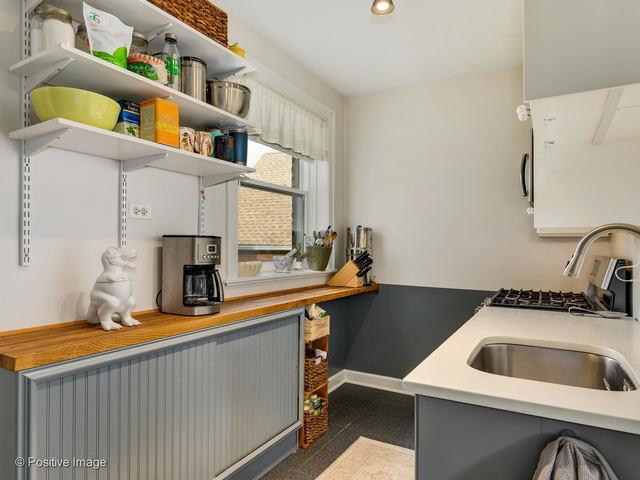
x=281, y=190
x=314, y=211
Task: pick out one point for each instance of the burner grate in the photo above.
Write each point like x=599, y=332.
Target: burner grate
x=538, y=299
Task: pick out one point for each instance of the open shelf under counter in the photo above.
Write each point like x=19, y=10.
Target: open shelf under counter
x=148, y=19
x=67, y=66
x=135, y=152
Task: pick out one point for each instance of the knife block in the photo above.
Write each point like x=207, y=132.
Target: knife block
x=347, y=276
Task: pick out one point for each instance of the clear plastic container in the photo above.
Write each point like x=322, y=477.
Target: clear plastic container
x=171, y=57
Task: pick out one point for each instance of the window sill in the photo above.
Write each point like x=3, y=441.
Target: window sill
x=266, y=277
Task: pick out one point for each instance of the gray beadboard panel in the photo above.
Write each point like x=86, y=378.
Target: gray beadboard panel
x=189, y=411
x=390, y=332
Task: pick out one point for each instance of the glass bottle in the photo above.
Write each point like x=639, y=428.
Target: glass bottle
x=171, y=57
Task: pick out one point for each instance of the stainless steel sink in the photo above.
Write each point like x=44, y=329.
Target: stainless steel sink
x=553, y=365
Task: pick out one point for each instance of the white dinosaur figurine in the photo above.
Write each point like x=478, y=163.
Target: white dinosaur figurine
x=112, y=293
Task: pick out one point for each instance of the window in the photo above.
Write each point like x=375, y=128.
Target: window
x=271, y=205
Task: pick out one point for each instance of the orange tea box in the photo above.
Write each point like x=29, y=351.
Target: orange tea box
x=160, y=121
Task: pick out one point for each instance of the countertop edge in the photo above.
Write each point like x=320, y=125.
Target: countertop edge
x=16, y=356
x=526, y=408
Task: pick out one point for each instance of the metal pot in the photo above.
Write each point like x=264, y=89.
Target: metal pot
x=229, y=96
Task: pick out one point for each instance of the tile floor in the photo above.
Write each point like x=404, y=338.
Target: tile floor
x=354, y=411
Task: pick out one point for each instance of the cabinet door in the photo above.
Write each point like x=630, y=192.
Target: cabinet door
x=575, y=46
x=187, y=408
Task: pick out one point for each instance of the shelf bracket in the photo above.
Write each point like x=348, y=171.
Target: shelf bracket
x=25, y=207
x=122, y=205
x=212, y=180
x=47, y=74
x=609, y=112
x=155, y=32
x=138, y=163
x=39, y=144
x=202, y=196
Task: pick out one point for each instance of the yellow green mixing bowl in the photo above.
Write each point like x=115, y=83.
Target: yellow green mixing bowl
x=74, y=104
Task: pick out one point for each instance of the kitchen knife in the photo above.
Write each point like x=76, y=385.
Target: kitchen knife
x=368, y=262
x=364, y=272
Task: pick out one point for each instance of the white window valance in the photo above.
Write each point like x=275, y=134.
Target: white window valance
x=276, y=119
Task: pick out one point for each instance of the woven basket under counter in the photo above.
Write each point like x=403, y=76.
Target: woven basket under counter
x=315, y=374
x=199, y=14
x=315, y=426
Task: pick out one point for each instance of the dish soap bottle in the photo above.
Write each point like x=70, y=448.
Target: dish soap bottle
x=171, y=57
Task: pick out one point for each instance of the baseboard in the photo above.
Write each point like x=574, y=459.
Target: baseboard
x=370, y=380
x=337, y=380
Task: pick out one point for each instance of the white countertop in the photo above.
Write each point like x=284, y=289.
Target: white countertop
x=446, y=374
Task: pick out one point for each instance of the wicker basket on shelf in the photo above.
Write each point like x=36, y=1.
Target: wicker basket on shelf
x=316, y=425
x=199, y=14
x=315, y=374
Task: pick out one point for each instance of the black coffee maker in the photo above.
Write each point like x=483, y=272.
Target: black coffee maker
x=191, y=283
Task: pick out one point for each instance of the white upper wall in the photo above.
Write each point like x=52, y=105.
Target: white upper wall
x=75, y=200
x=434, y=170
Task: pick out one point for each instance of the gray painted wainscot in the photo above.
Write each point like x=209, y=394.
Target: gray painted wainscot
x=391, y=332
x=225, y=402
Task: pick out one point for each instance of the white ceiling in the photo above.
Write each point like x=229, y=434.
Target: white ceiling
x=357, y=52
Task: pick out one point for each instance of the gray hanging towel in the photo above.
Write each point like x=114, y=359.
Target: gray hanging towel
x=568, y=458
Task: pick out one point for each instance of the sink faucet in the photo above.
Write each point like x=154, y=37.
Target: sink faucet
x=575, y=264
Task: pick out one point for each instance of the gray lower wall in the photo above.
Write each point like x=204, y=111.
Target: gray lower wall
x=338, y=339
x=390, y=332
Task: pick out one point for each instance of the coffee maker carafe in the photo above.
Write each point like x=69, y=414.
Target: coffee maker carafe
x=191, y=283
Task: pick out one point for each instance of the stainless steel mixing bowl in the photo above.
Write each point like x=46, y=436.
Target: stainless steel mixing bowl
x=229, y=96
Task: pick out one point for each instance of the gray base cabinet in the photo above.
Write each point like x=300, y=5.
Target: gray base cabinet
x=457, y=441
x=195, y=407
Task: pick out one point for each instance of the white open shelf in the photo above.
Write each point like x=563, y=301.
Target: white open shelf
x=70, y=67
x=146, y=17
x=135, y=152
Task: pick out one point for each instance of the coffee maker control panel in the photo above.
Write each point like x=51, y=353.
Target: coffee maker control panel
x=208, y=250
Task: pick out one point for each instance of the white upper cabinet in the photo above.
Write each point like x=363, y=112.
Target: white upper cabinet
x=582, y=82
x=575, y=46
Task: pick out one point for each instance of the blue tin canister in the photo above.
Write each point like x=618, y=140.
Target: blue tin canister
x=241, y=144
x=214, y=132
x=223, y=148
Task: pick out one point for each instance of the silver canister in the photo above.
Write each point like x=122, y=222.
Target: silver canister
x=194, y=77
x=364, y=236
x=360, y=239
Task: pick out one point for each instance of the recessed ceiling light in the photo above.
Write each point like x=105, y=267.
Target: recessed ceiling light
x=382, y=7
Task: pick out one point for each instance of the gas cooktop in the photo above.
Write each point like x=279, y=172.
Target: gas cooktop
x=541, y=300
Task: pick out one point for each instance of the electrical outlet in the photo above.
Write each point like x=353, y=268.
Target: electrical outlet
x=142, y=212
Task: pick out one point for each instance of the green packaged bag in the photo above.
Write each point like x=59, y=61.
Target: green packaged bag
x=109, y=38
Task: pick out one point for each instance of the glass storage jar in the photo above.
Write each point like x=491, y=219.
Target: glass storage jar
x=82, y=40
x=139, y=44
x=55, y=28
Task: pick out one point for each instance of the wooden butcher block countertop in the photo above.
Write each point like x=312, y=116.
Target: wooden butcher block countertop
x=35, y=347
